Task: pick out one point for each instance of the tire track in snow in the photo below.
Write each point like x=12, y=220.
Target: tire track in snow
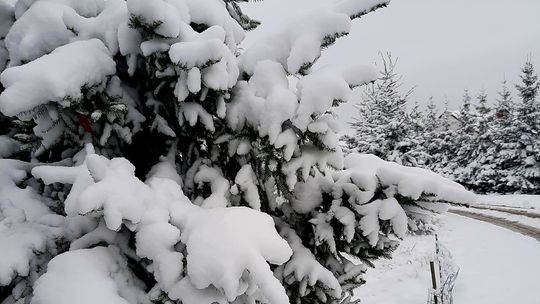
x=514, y=226
x=508, y=210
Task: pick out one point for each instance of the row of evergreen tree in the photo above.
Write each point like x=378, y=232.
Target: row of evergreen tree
x=488, y=146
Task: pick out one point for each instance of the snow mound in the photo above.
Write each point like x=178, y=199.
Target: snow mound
x=57, y=77
x=101, y=276
x=27, y=227
x=241, y=239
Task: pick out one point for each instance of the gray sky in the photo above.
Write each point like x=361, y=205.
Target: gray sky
x=442, y=46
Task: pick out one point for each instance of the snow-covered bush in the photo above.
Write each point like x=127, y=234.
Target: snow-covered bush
x=157, y=162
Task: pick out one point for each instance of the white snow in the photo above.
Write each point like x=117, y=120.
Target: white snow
x=37, y=32
x=411, y=182
x=355, y=8
x=298, y=43
x=236, y=242
x=407, y=273
x=303, y=267
x=319, y=90
x=481, y=249
x=246, y=181
x=57, y=77
x=497, y=266
x=511, y=200
x=167, y=15
x=27, y=226
x=230, y=241
x=214, y=13
x=194, y=112
x=522, y=219
x=191, y=54
x=104, y=26
x=101, y=276
x=218, y=184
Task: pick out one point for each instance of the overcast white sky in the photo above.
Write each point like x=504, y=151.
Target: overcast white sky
x=443, y=46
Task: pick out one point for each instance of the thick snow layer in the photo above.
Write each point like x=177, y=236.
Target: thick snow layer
x=410, y=182
x=227, y=249
x=42, y=26
x=319, y=90
x=205, y=60
x=229, y=241
x=214, y=13
x=297, y=44
x=118, y=192
x=194, y=112
x=218, y=184
x=57, y=77
x=247, y=182
x=37, y=32
x=267, y=102
x=308, y=194
x=97, y=275
x=385, y=209
x=197, y=53
x=27, y=226
x=104, y=26
x=87, y=8
x=167, y=15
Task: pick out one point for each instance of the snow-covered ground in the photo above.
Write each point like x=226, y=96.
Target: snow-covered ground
x=529, y=221
x=497, y=266
x=403, y=279
x=512, y=200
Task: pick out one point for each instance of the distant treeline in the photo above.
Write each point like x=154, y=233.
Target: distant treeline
x=489, y=145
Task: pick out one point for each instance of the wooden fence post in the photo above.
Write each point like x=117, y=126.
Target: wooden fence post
x=433, y=279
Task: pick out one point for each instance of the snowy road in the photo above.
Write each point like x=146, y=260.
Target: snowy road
x=497, y=266
x=512, y=210
x=508, y=224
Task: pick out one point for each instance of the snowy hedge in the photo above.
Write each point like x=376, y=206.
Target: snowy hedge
x=147, y=158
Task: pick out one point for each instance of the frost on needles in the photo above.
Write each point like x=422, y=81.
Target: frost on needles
x=145, y=157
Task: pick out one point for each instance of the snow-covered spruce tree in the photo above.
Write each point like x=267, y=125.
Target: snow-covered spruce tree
x=440, y=145
x=510, y=163
x=465, y=142
x=416, y=136
x=480, y=167
x=431, y=136
x=165, y=165
x=383, y=126
x=500, y=159
x=527, y=131
x=505, y=150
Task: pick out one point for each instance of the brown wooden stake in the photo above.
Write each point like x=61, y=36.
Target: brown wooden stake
x=433, y=279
